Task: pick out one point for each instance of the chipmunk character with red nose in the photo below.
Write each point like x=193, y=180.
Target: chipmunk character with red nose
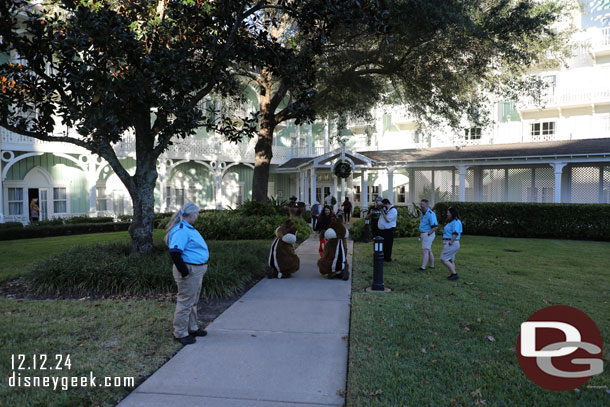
x=283, y=261
x=334, y=258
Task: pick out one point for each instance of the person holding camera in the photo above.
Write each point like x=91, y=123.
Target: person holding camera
x=387, y=227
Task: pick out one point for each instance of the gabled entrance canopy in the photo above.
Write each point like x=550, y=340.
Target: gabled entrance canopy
x=327, y=160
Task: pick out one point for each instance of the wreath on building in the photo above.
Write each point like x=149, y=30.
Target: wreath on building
x=342, y=169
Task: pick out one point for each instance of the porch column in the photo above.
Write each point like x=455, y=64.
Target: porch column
x=218, y=185
x=306, y=185
x=326, y=135
x=391, y=184
x=558, y=169
x=334, y=191
x=310, y=143
x=91, y=184
x=411, y=174
x=312, y=179
x=1, y=197
x=462, y=171
x=298, y=191
x=343, y=194
x=364, y=190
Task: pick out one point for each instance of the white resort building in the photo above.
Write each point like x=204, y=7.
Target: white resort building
x=554, y=150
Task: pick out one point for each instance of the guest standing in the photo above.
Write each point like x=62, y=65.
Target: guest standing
x=34, y=210
x=190, y=256
x=347, y=209
x=373, y=216
x=427, y=229
x=451, y=241
x=387, y=227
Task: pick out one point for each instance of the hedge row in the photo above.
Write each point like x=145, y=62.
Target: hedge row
x=226, y=225
x=61, y=230
x=407, y=225
x=532, y=220
x=110, y=269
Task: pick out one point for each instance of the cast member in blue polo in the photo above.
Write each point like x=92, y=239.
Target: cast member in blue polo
x=427, y=232
x=190, y=255
x=451, y=241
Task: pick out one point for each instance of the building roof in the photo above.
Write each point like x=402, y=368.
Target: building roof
x=495, y=151
x=296, y=162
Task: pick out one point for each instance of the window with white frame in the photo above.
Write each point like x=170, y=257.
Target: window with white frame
x=401, y=194
x=357, y=193
x=15, y=201
x=373, y=192
x=101, y=203
x=542, y=131
x=472, y=133
x=179, y=197
x=60, y=200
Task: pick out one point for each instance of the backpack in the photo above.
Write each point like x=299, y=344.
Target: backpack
x=315, y=210
x=333, y=201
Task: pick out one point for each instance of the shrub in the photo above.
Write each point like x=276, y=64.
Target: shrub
x=256, y=208
x=11, y=225
x=110, y=269
x=356, y=212
x=532, y=220
x=229, y=225
x=60, y=230
x=87, y=219
x=406, y=226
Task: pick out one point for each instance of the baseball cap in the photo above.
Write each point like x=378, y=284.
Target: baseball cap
x=378, y=199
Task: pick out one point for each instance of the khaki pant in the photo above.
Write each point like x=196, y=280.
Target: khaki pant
x=189, y=289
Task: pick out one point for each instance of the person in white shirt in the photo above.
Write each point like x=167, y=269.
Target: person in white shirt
x=387, y=227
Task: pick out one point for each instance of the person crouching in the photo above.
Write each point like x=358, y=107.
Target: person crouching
x=334, y=258
x=283, y=261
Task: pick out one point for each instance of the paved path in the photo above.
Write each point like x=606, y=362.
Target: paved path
x=281, y=344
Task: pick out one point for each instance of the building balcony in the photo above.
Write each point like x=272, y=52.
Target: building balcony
x=207, y=149
x=561, y=98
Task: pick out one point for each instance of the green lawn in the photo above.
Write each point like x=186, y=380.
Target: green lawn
x=16, y=255
x=108, y=338
x=431, y=342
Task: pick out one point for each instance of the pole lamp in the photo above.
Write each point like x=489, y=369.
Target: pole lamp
x=378, y=264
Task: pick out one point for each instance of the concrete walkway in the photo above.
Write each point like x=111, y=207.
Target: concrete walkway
x=282, y=344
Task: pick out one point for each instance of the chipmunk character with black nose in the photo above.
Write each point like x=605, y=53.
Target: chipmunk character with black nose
x=283, y=261
x=334, y=258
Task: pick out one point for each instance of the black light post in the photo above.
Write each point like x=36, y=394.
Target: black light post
x=366, y=231
x=378, y=264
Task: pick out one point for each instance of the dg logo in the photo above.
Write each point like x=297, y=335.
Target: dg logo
x=560, y=348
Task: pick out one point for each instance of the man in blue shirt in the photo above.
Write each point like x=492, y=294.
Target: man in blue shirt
x=427, y=229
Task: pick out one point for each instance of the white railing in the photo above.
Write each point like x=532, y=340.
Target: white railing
x=566, y=98
x=603, y=39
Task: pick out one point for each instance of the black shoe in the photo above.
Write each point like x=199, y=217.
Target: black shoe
x=345, y=275
x=199, y=332
x=187, y=340
x=421, y=269
x=453, y=277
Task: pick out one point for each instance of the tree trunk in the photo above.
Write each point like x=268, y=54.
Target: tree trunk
x=141, y=228
x=263, y=154
x=263, y=150
x=143, y=187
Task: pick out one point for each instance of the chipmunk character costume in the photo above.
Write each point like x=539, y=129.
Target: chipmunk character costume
x=283, y=261
x=334, y=258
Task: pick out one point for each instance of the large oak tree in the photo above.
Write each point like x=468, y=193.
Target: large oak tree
x=108, y=68
x=443, y=59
